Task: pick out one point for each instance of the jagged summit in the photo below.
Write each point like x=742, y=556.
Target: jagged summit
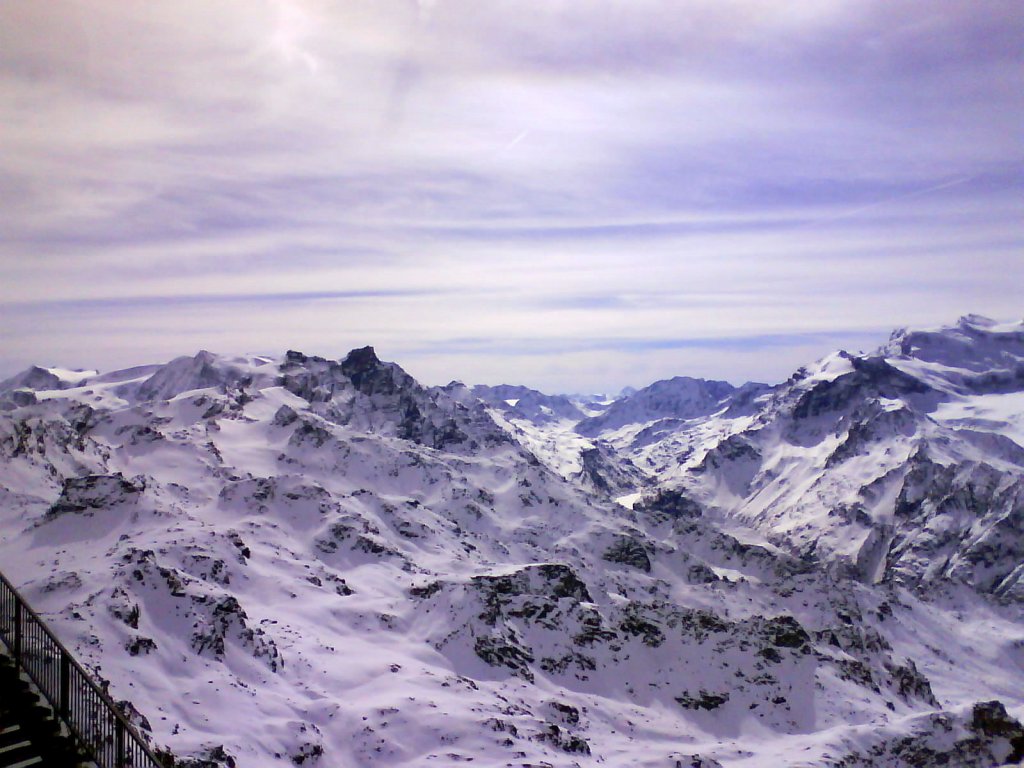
x=360, y=365
x=363, y=357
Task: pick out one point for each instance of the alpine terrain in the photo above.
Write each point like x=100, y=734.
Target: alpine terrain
x=316, y=562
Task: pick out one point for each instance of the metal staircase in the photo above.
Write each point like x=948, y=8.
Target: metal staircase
x=52, y=713
x=29, y=735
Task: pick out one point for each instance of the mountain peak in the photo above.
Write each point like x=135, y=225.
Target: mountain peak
x=361, y=360
x=976, y=321
x=38, y=378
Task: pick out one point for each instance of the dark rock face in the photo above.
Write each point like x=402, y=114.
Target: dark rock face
x=996, y=381
x=912, y=684
x=93, y=492
x=357, y=535
x=427, y=590
x=140, y=645
x=608, y=473
x=637, y=622
x=871, y=377
x=703, y=700
x=591, y=459
x=748, y=398
x=218, y=620
x=938, y=510
x=564, y=740
x=736, y=459
x=224, y=619
x=214, y=756
x=629, y=551
x=52, y=440
x=567, y=713
x=870, y=424
x=990, y=718
x=363, y=368
x=312, y=378
x=548, y=597
x=552, y=580
x=285, y=416
x=695, y=761
x=505, y=652
x=387, y=400
x=669, y=502
x=989, y=738
x=735, y=448
x=786, y=632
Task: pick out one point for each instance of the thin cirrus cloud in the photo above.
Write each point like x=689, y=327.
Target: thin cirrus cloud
x=615, y=192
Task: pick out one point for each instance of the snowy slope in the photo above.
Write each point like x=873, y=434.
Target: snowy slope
x=308, y=561
x=907, y=464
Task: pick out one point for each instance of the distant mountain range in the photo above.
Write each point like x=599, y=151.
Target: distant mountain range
x=323, y=562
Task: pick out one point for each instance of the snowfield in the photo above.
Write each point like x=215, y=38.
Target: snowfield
x=302, y=561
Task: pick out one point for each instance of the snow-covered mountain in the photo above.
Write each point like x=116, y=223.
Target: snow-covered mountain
x=678, y=399
x=904, y=465
x=322, y=562
x=525, y=403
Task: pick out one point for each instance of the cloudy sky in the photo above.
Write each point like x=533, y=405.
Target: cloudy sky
x=571, y=195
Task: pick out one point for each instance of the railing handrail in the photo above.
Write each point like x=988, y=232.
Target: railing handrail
x=66, y=657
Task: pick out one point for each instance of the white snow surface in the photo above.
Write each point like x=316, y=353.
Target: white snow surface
x=319, y=562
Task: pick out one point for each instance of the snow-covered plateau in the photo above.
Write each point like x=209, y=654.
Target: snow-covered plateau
x=324, y=563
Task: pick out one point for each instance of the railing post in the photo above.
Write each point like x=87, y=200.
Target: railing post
x=17, y=630
x=65, y=685
x=119, y=743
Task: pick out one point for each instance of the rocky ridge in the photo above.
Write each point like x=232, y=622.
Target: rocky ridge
x=324, y=562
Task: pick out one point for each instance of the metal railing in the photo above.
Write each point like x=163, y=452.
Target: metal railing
x=94, y=720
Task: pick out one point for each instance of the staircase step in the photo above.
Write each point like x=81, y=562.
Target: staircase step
x=14, y=741
x=26, y=763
